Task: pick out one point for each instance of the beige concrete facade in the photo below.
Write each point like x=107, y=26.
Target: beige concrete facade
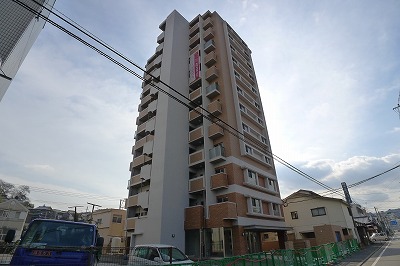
x=221, y=188
x=317, y=219
x=111, y=226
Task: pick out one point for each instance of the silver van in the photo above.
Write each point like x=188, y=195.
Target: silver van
x=378, y=237
x=157, y=254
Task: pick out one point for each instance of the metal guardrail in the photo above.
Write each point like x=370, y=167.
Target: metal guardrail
x=315, y=256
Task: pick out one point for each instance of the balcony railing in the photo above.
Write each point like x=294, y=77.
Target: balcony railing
x=217, y=154
x=219, y=181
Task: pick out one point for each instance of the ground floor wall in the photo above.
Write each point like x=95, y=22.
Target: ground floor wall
x=230, y=241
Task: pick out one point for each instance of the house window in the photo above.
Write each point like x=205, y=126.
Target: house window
x=251, y=177
x=249, y=150
x=117, y=218
x=318, y=211
x=256, y=205
x=294, y=215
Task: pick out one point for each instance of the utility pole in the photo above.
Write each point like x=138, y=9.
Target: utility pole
x=349, y=202
x=93, y=205
x=75, y=213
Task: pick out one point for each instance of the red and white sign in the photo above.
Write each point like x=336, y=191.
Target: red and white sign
x=194, y=66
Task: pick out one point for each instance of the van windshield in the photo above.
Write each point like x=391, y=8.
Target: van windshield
x=58, y=234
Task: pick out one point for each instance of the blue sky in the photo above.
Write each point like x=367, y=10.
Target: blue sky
x=328, y=72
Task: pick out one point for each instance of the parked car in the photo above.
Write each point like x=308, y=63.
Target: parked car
x=157, y=254
x=378, y=237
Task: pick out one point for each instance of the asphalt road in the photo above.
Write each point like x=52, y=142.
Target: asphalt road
x=387, y=255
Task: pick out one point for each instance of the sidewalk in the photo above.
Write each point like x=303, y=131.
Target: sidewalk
x=359, y=257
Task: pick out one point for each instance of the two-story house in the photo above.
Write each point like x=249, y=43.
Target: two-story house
x=316, y=219
x=12, y=216
x=111, y=226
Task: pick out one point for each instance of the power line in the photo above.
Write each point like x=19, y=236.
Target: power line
x=191, y=105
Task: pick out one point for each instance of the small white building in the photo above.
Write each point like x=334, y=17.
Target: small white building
x=12, y=216
x=318, y=219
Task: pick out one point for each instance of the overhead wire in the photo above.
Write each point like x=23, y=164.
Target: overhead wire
x=191, y=105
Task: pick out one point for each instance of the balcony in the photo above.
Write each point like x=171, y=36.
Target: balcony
x=196, y=136
x=219, y=181
x=210, y=59
x=196, y=158
x=194, y=29
x=195, y=116
x=208, y=34
x=160, y=38
x=130, y=223
x=160, y=48
x=195, y=96
x=196, y=184
x=209, y=46
x=194, y=217
x=142, y=141
x=207, y=23
x=217, y=154
x=195, y=40
x=211, y=73
x=215, y=108
x=223, y=211
x=212, y=90
x=215, y=131
x=132, y=201
x=140, y=160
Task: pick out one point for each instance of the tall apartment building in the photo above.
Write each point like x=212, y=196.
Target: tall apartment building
x=19, y=29
x=193, y=184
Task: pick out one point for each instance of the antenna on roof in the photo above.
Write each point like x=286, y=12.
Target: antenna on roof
x=397, y=108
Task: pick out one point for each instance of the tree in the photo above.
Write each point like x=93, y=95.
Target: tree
x=10, y=191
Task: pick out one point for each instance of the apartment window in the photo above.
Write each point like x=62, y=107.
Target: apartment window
x=260, y=121
x=264, y=140
x=234, y=61
x=237, y=75
x=294, y=215
x=267, y=159
x=256, y=205
x=245, y=127
x=249, y=65
x=222, y=199
x=249, y=150
x=318, y=211
x=251, y=77
x=239, y=90
x=254, y=90
x=276, y=209
x=242, y=108
x=271, y=183
x=246, y=53
x=220, y=170
x=117, y=218
x=251, y=177
x=233, y=48
x=256, y=104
